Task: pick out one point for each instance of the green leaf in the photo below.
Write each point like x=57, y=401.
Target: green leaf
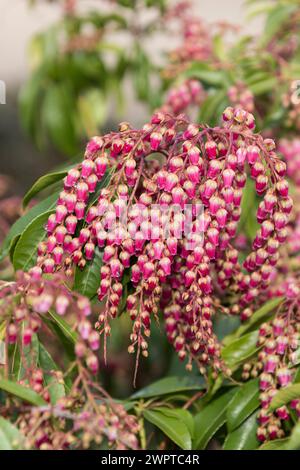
x=171, y=425
x=56, y=389
x=284, y=396
x=210, y=419
x=244, y=437
x=170, y=385
x=294, y=441
x=256, y=319
x=263, y=86
x=26, y=249
x=93, y=110
x=87, y=280
x=58, y=118
x=64, y=327
x=243, y=404
x=10, y=436
x=20, y=225
x=275, y=21
x=205, y=74
x=43, y=182
x=24, y=393
x=209, y=109
x=240, y=349
x=277, y=444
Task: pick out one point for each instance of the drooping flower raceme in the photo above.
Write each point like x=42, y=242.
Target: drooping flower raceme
x=167, y=215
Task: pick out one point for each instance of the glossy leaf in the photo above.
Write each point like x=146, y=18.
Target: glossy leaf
x=210, y=419
x=285, y=395
x=42, y=183
x=87, y=280
x=56, y=389
x=294, y=441
x=170, y=424
x=240, y=349
x=19, y=391
x=243, y=404
x=277, y=444
x=64, y=327
x=243, y=437
x=26, y=249
x=170, y=385
x=20, y=225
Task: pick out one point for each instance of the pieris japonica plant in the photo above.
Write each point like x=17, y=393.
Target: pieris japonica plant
x=147, y=226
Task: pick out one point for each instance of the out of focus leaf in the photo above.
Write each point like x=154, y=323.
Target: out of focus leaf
x=24, y=393
x=10, y=436
x=43, y=182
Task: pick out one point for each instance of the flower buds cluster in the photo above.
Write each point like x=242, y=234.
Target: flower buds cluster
x=190, y=93
x=171, y=221
x=36, y=296
x=76, y=422
x=279, y=340
x=240, y=95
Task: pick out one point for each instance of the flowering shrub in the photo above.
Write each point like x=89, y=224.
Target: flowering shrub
x=192, y=224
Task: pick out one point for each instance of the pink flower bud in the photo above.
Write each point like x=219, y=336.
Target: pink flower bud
x=193, y=174
x=228, y=176
x=101, y=164
x=194, y=154
x=51, y=223
x=155, y=140
x=82, y=191
x=211, y=149
x=87, y=168
x=252, y=154
x=71, y=223
x=80, y=210
x=60, y=214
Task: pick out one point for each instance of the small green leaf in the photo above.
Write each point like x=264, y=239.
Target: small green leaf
x=56, y=390
x=240, y=349
x=263, y=86
x=243, y=437
x=256, y=319
x=24, y=393
x=170, y=385
x=210, y=419
x=64, y=327
x=87, y=280
x=42, y=183
x=22, y=223
x=284, y=396
x=26, y=249
x=243, y=404
x=10, y=436
x=171, y=425
x=206, y=74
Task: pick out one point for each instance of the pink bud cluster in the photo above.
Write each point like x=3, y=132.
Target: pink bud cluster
x=190, y=93
x=202, y=167
x=36, y=296
x=78, y=421
x=240, y=95
x=280, y=340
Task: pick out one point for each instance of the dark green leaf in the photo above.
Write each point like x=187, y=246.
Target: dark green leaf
x=171, y=425
x=243, y=404
x=24, y=393
x=42, y=183
x=210, y=419
x=56, y=389
x=170, y=385
x=240, y=349
x=20, y=225
x=87, y=280
x=26, y=249
x=244, y=437
x=284, y=396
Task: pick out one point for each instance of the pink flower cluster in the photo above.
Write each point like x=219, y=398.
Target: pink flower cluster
x=201, y=167
x=37, y=295
x=189, y=93
x=279, y=339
